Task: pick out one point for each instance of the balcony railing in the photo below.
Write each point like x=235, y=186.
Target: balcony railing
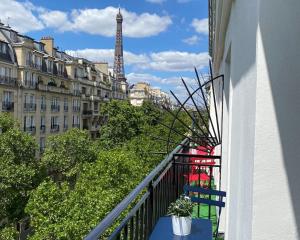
x=76, y=109
x=29, y=107
x=54, y=128
x=7, y=106
x=153, y=196
x=43, y=107
x=8, y=80
x=87, y=112
x=76, y=125
x=30, y=129
x=43, y=129
x=55, y=108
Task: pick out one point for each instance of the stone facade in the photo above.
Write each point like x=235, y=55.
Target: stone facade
x=49, y=91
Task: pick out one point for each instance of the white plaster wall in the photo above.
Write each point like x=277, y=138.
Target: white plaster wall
x=238, y=141
x=276, y=188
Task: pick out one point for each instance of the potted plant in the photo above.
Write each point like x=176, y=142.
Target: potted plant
x=181, y=213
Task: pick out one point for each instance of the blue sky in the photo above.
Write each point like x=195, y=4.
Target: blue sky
x=163, y=39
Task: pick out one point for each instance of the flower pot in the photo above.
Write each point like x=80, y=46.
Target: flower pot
x=181, y=225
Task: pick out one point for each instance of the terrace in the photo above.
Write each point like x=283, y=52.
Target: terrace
x=193, y=162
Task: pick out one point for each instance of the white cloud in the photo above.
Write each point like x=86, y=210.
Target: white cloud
x=19, y=16
x=177, y=61
x=193, y=40
x=169, y=61
x=200, y=25
x=107, y=55
x=102, y=22
x=156, y=1
x=26, y=17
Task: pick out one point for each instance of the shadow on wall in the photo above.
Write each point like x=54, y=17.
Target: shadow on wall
x=281, y=41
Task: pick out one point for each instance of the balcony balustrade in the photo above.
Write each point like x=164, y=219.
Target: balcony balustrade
x=11, y=81
x=30, y=129
x=76, y=125
x=7, y=106
x=42, y=129
x=150, y=199
x=55, y=108
x=54, y=128
x=43, y=107
x=76, y=92
x=43, y=87
x=87, y=112
x=76, y=109
x=29, y=107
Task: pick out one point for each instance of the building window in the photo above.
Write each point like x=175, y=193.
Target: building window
x=42, y=144
x=3, y=47
x=29, y=59
x=54, y=124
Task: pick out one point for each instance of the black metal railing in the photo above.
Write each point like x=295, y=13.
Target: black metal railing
x=30, y=129
x=87, y=112
x=153, y=196
x=76, y=125
x=8, y=106
x=43, y=129
x=43, y=107
x=54, y=128
x=29, y=107
x=76, y=109
x=55, y=108
x=8, y=80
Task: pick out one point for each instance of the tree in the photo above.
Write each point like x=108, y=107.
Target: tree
x=60, y=212
x=65, y=154
x=124, y=121
x=7, y=122
x=19, y=169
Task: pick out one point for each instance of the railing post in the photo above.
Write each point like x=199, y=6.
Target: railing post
x=150, y=208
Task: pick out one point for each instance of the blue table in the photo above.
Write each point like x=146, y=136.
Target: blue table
x=201, y=230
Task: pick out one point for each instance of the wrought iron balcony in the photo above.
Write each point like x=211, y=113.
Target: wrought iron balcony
x=29, y=107
x=155, y=193
x=55, y=108
x=76, y=109
x=87, y=112
x=7, y=106
x=43, y=129
x=76, y=125
x=8, y=80
x=30, y=129
x=43, y=107
x=54, y=128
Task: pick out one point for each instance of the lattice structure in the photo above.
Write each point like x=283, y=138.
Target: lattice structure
x=119, y=61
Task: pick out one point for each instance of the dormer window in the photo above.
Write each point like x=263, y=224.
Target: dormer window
x=3, y=47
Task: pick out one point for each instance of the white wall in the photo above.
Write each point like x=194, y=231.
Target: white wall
x=276, y=199
x=261, y=136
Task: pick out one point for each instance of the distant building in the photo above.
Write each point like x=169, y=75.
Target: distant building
x=49, y=91
x=142, y=91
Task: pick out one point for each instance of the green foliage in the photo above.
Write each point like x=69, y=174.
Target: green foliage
x=18, y=171
x=65, y=154
x=65, y=213
x=182, y=207
x=9, y=233
x=7, y=122
x=124, y=122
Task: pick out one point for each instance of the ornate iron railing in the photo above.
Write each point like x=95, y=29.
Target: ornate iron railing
x=152, y=197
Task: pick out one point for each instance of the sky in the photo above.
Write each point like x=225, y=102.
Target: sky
x=163, y=40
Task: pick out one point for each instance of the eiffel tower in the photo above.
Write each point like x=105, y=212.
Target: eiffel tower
x=119, y=61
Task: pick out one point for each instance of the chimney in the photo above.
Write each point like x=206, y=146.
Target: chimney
x=49, y=44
